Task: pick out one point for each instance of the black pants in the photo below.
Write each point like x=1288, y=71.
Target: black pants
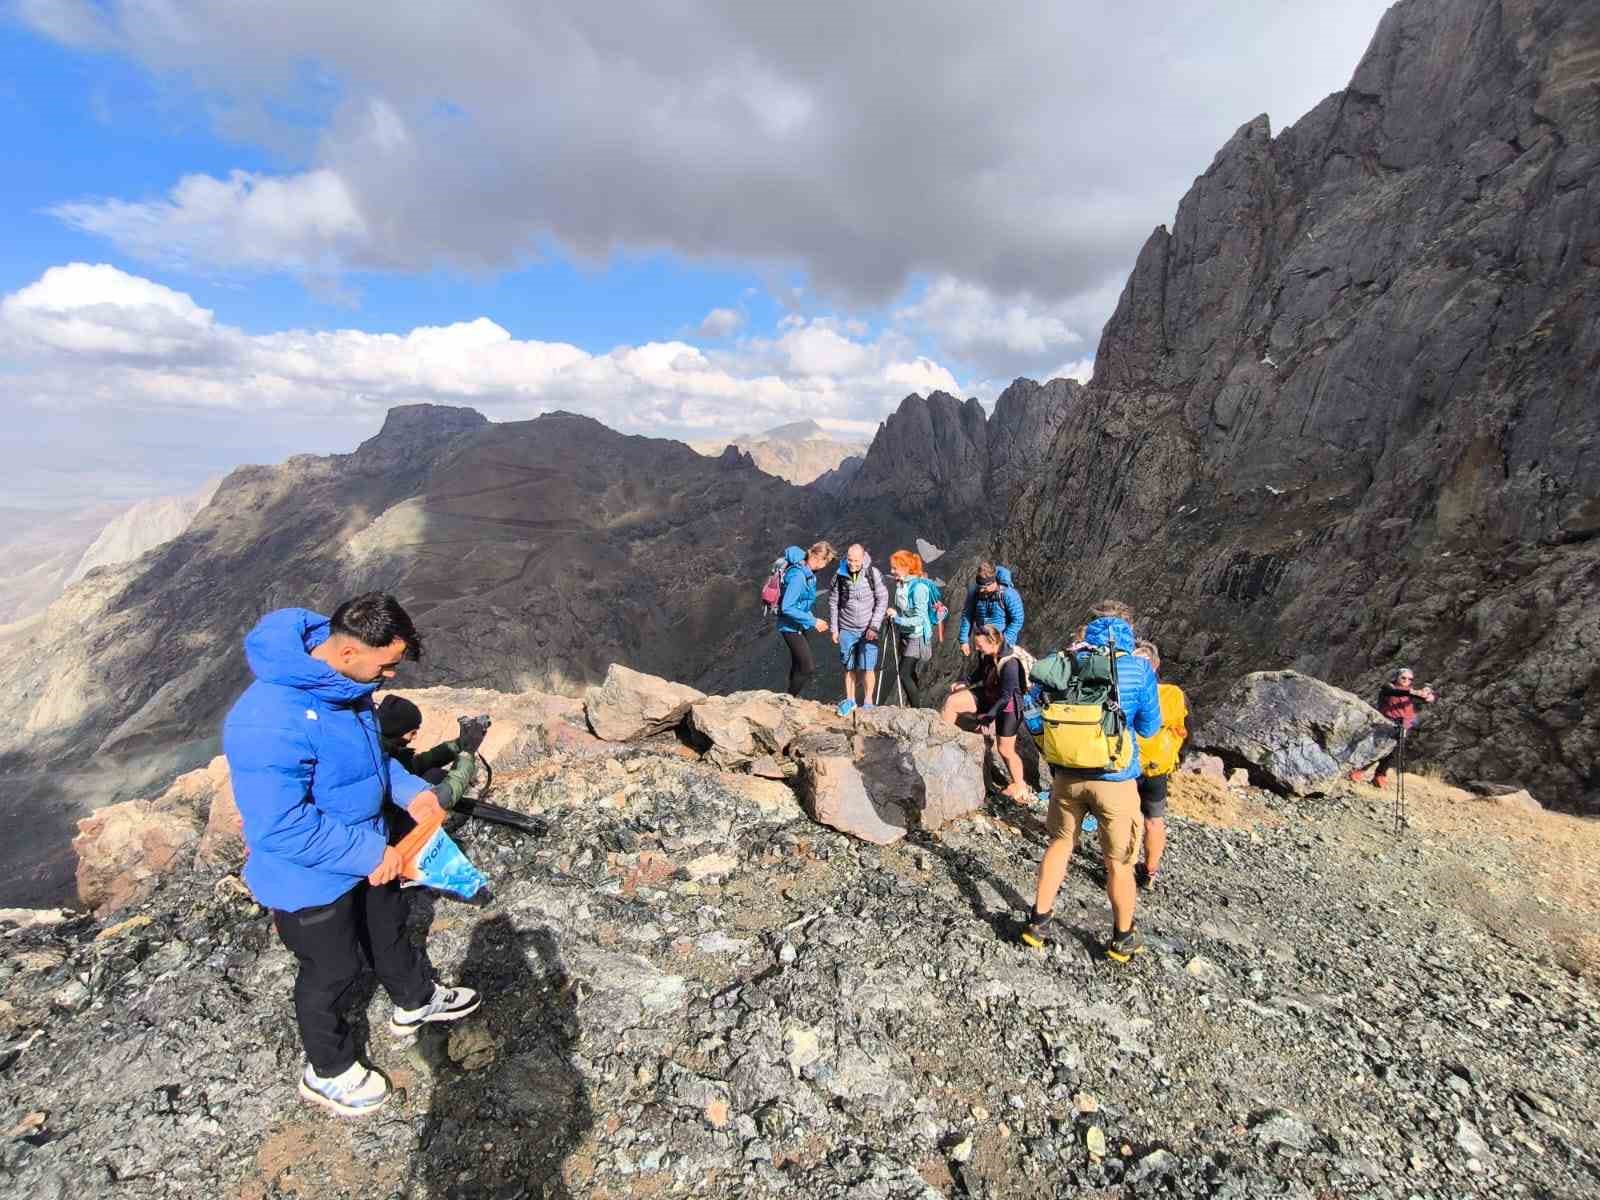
x=331, y=941
x=801, y=667
x=1392, y=759
x=911, y=677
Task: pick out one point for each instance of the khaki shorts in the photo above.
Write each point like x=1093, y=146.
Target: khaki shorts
x=1114, y=805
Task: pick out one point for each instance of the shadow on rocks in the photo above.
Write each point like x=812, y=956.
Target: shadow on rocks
x=969, y=873
x=509, y=1104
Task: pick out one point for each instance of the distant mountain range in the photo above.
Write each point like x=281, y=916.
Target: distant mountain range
x=800, y=452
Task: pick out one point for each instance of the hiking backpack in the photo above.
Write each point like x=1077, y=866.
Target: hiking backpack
x=937, y=612
x=1085, y=727
x=772, y=590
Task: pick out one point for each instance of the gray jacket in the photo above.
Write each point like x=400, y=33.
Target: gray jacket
x=866, y=598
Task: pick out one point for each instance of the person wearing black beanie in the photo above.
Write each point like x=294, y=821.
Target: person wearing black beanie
x=449, y=764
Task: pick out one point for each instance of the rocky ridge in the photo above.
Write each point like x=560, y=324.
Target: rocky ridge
x=801, y=452
x=694, y=989
x=1343, y=415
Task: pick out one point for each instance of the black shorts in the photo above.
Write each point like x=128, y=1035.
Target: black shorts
x=1007, y=724
x=1153, y=796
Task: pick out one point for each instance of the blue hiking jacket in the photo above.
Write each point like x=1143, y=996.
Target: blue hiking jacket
x=309, y=772
x=1136, y=688
x=1004, y=609
x=913, y=602
x=795, y=609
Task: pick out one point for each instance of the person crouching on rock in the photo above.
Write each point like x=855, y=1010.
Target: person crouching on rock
x=912, y=617
x=315, y=789
x=857, y=604
x=1158, y=757
x=990, y=699
x=1111, y=795
x=1397, y=700
x=451, y=765
x=796, y=617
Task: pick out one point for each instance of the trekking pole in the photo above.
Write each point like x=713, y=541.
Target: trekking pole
x=1397, y=806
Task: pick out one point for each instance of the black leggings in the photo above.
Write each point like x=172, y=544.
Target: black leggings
x=800, y=665
x=911, y=678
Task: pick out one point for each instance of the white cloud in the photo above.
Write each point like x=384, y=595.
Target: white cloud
x=1025, y=149
x=304, y=223
x=143, y=374
x=721, y=323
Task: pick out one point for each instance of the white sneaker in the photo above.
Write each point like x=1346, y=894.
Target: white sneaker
x=448, y=1004
x=352, y=1093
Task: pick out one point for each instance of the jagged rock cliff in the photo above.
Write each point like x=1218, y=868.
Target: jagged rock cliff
x=942, y=468
x=1345, y=412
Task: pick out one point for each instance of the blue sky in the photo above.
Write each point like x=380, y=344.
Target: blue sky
x=240, y=231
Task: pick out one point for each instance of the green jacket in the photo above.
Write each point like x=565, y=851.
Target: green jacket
x=446, y=763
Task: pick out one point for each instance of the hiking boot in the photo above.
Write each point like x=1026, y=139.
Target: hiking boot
x=1037, y=931
x=846, y=707
x=448, y=1004
x=352, y=1093
x=1143, y=876
x=1380, y=781
x=1123, y=946
x=1356, y=777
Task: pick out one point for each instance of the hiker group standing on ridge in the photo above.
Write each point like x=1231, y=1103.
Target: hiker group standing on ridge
x=1109, y=731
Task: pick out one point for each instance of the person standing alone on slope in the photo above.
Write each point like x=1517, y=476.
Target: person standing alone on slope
x=857, y=603
x=796, y=617
x=1397, y=700
x=316, y=792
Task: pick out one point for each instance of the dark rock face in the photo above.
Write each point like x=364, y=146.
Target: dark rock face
x=1297, y=734
x=1344, y=413
x=945, y=470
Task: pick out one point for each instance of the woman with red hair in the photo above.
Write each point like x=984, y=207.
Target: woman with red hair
x=912, y=614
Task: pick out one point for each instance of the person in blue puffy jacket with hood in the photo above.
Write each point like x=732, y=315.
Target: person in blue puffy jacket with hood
x=315, y=790
x=796, y=615
x=1112, y=796
x=992, y=600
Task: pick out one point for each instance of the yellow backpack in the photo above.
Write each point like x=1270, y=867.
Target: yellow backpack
x=1159, y=752
x=1087, y=729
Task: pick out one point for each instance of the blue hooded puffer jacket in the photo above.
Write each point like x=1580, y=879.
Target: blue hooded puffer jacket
x=309, y=773
x=1136, y=687
x=796, y=609
x=1004, y=609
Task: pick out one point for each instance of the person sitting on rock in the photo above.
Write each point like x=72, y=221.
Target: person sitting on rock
x=795, y=616
x=992, y=600
x=1397, y=700
x=315, y=792
x=452, y=765
x=1158, y=757
x=857, y=603
x=990, y=699
x=912, y=615
x=1111, y=795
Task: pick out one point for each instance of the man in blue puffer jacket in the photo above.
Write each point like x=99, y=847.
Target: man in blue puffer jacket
x=992, y=600
x=315, y=789
x=1112, y=796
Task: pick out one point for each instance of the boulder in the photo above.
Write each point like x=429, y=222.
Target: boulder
x=1208, y=765
x=913, y=759
x=631, y=704
x=1295, y=733
x=750, y=727
x=895, y=769
x=222, y=842
x=525, y=726
x=834, y=792
x=124, y=849
x=1506, y=795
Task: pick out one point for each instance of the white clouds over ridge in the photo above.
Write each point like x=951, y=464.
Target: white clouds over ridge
x=1025, y=150
x=98, y=342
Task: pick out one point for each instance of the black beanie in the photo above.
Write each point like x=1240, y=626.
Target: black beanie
x=397, y=717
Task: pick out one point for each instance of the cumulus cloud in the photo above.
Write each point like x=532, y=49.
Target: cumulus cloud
x=721, y=323
x=117, y=366
x=1024, y=149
